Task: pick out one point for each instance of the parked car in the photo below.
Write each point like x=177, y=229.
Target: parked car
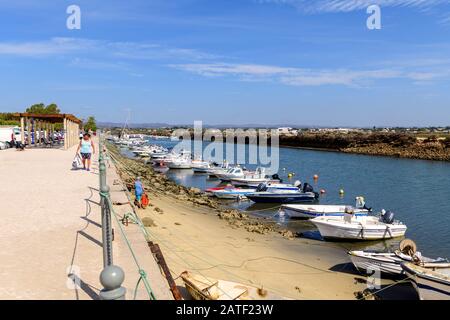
x=6, y=134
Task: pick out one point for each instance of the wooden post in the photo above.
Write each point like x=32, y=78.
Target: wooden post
x=65, y=133
x=29, y=131
x=22, y=130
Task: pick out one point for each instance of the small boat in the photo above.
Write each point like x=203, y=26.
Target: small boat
x=265, y=194
x=210, y=190
x=203, y=288
x=179, y=163
x=390, y=262
x=231, y=192
x=309, y=211
x=352, y=227
x=430, y=283
x=254, y=179
x=235, y=172
x=201, y=166
x=283, y=197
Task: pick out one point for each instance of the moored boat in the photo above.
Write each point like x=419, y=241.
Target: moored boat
x=390, y=262
x=232, y=193
x=353, y=227
x=265, y=194
x=310, y=211
x=203, y=288
x=430, y=284
x=235, y=172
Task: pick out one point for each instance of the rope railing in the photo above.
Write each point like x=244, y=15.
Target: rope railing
x=112, y=276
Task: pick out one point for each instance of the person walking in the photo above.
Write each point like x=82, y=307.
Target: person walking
x=138, y=191
x=86, y=149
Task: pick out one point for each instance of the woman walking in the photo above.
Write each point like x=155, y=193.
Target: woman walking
x=86, y=149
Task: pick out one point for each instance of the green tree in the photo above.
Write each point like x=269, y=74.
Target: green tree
x=90, y=124
x=40, y=108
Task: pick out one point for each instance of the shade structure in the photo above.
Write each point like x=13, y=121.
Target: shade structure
x=39, y=127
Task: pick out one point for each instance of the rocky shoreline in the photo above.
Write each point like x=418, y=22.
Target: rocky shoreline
x=157, y=184
x=389, y=145
x=435, y=152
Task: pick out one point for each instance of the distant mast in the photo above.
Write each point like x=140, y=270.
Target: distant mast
x=125, y=125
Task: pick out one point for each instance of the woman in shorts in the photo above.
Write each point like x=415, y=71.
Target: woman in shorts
x=86, y=149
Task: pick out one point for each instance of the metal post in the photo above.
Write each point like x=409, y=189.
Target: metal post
x=111, y=279
x=106, y=214
x=111, y=276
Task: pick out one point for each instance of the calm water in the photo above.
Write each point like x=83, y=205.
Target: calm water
x=417, y=191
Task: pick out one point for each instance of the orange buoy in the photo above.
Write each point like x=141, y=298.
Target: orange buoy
x=316, y=177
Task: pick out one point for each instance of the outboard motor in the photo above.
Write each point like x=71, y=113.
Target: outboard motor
x=261, y=187
x=387, y=216
x=276, y=177
x=298, y=184
x=307, y=188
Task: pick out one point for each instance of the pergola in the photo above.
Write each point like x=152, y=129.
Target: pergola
x=45, y=125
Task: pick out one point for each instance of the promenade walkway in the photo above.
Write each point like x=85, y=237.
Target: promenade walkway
x=51, y=234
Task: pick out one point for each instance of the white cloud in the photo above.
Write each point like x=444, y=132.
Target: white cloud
x=126, y=50
x=53, y=46
x=352, y=5
x=304, y=76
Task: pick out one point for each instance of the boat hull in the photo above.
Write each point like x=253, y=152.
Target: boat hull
x=305, y=213
x=370, y=264
x=282, y=198
x=232, y=194
x=354, y=231
x=428, y=287
x=172, y=165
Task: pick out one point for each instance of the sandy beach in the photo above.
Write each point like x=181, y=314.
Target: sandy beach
x=202, y=239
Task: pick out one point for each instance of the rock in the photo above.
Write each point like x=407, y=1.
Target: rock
x=195, y=191
x=148, y=222
x=159, y=210
x=287, y=234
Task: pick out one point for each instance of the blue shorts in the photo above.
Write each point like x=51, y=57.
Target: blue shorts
x=86, y=156
x=138, y=197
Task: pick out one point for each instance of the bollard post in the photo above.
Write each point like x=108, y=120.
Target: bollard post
x=111, y=276
x=111, y=279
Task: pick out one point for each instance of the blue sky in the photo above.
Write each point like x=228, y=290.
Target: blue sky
x=299, y=62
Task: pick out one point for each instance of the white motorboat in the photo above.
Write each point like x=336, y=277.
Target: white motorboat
x=232, y=192
x=352, y=227
x=253, y=179
x=179, y=163
x=390, y=262
x=213, y=171
x=199, y=166
x=430, y=284
x=309, y=211
x=235, y=172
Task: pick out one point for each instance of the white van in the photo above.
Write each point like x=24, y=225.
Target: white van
x=7, y=132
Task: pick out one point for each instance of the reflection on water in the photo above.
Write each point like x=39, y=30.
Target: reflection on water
x=417, y=191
